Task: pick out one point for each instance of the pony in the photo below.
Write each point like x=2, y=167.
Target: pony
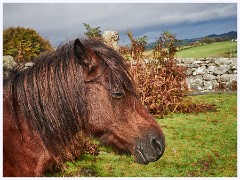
x=83, y=89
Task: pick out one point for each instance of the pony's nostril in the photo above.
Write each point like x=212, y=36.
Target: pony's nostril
x=157, y=145
x=150, y=149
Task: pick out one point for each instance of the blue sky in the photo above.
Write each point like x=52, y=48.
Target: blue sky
x=59, y=22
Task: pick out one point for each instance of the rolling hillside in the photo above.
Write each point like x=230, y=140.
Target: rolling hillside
x=217, y=49
x=225, y=36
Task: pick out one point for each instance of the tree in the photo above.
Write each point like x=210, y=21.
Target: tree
x=24, y=44
x=207, y=40
x=92, y=33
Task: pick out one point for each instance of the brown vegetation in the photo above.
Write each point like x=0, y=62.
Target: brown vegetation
x=162, y=83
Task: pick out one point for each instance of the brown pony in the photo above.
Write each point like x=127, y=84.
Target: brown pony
x=84, y=87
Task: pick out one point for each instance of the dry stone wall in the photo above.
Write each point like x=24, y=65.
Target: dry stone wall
x=204, y=75
x=8, y=65
x=210, y=74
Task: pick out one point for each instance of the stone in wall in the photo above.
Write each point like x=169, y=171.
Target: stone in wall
x=222, y=69
x=225, y=61
x=189, y=71
x=210, y=85
x=29, y=64
x=211, y=69
x=8, y=62
x=228, y=77
x=195, y=64
x=195, y=83
x=209, y=77
x=200, y=70
x=111, y=39
x=187, y=61
x=234, y=67
x=8, y=65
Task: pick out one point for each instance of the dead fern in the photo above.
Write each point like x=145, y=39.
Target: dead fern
x=161, y=83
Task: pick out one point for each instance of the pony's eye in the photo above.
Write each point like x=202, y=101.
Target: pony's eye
x=117, y=95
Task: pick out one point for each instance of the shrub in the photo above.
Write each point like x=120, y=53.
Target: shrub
x=137, y=46
x=161, y=83
x=92, y=33
x=161, y=86
x=125, y=51
x=24, y=44
x=165, y=46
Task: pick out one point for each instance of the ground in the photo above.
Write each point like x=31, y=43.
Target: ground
x=202, y=145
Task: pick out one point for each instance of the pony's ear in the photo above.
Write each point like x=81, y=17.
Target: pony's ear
x=85, y=55
x=80, y=50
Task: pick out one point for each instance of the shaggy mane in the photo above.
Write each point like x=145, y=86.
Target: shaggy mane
x=52, y=94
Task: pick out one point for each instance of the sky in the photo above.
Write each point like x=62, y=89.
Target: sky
x=63, y=21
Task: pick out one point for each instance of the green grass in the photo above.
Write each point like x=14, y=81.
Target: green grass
x=196, y=145
x=217, y=49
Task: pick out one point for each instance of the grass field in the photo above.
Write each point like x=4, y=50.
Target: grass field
x=217, y=49
x=196, y=145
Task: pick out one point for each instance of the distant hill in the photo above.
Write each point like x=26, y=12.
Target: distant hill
x=225, y=36
x=230, y=35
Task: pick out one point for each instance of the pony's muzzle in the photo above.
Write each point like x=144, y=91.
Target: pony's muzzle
x=149, y=149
